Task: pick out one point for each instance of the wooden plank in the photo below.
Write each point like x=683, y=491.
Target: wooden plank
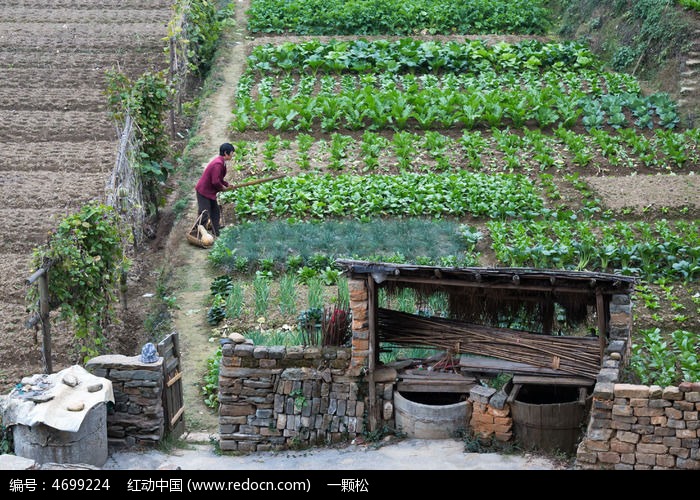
x=532, y=379
x=412, y=386
x=167, y=350
x=174, y=379
x=514, y=393
x=493, y=365
x=178, y=395
x=510, y=286
x=176, y=345
x=173, y=407
x=171, y=365
x=430, y=375
x=429, y=381
x=170, y=407
x=177, y=416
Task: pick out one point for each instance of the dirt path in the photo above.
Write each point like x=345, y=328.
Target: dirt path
x=405, y=454
x=192, y=274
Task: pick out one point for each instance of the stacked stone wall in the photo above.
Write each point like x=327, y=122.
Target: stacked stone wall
x=274, y=398
x=637, y=426
x=137, y=416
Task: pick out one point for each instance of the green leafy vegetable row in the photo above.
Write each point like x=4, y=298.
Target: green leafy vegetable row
x=417, y=56
x=652, y=251
x=428, y=102
x=660, y=360
x=454, y=194
x=397, y=17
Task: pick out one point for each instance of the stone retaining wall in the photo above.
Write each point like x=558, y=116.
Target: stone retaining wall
x=274, y=398
x=642, y=427
x=137, y=415
x=637, y=426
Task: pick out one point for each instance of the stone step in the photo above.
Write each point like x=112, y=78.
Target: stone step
x=688, y=90
x=692, y=62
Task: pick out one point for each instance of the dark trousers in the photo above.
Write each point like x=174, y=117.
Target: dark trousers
x=213, y=212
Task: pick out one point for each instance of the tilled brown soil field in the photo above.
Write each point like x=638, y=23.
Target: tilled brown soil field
x=57, y=142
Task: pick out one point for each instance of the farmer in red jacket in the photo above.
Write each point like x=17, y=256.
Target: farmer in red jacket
x=210, y=184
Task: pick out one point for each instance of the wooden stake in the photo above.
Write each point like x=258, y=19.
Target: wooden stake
x=372, y=317
x=42, y=276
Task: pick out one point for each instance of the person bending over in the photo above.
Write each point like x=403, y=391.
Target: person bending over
x=212, y=183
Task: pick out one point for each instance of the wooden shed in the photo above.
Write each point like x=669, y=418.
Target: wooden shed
x=543, y=326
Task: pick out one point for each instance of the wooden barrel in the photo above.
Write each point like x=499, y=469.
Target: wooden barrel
x=549, y=418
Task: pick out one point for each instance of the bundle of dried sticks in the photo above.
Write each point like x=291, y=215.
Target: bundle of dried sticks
x=572, y=355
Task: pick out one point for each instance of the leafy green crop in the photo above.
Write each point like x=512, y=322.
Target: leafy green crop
x=666, y=359
x=394, y=17
x=362, y=197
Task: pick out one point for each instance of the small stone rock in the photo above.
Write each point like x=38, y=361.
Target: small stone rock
x=94, y=387
x=41, y=398
x=77, y=406
x=237, y=338
x=70, y=380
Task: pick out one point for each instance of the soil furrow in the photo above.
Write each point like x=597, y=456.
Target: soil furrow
x=48, y=125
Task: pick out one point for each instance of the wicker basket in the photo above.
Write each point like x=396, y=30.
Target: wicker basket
x=197, y=232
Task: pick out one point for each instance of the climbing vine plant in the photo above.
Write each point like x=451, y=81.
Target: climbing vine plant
x=84, y=260
x=147, y=100
x=205, y=20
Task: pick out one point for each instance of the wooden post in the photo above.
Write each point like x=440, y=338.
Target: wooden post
x=372, y=320
x=123, y=288
x=42, y=276
x=547, y=314
x=172, y=76
x=602, y=321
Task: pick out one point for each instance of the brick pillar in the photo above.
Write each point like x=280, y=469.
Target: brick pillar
x=360, y=326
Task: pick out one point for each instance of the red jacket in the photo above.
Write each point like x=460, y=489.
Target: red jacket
x=212, y=180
